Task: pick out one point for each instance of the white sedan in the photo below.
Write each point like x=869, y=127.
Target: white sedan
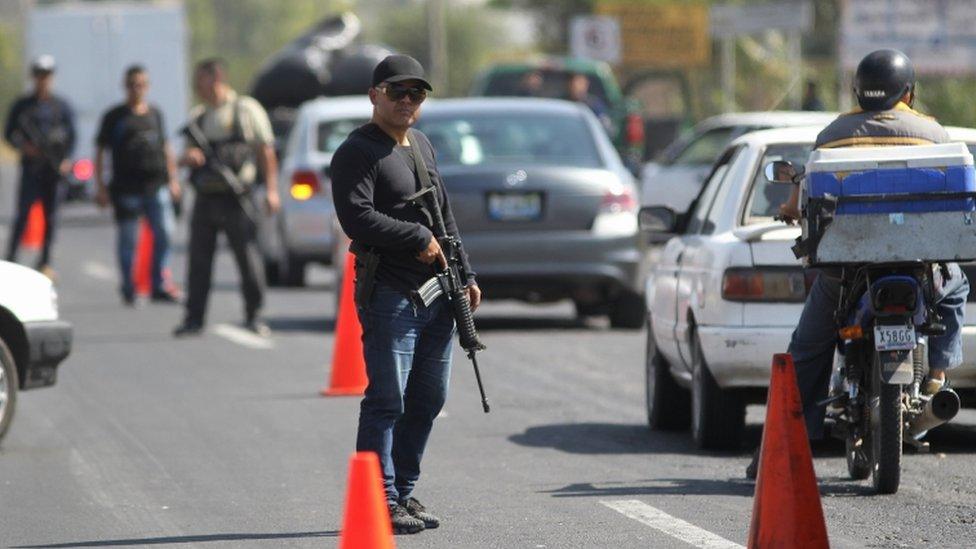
x=727, y=292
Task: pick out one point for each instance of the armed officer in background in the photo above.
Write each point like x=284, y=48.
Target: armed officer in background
x=41, y=126
x=406, y=345
x=885, y=88
x=229, y=139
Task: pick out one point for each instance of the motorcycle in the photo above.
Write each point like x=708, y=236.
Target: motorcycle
x=885, y=314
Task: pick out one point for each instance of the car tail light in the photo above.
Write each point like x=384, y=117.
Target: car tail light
x=634, y=129
x=765, y=285
x=617, y=215
x=83, y=169
x=618, y=200
x=304, y=184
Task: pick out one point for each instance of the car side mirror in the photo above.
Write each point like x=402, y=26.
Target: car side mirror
x=782, y=171
x=657, y=219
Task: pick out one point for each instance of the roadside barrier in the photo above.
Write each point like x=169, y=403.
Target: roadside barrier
x=348, y=375
x=366, y=522
x=786, y=509
x=142, y=266
x=33, y=237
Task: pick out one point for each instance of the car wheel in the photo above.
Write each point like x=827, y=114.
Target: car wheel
x=668, y=404
x=8, y=388
x=628, y=311
x=272, y=273
x=294, y=275
x=589, y=308
x=718, y=417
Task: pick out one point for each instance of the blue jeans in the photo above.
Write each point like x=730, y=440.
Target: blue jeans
x=815, y=340
x=408, y=363
x=37, y=182
x=157, y=208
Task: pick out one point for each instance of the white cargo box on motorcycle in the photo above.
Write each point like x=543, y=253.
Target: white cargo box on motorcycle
x=889, y=204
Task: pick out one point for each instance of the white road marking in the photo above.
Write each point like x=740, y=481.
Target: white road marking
x=98, y=271
x=243, y=337
x=672, y=526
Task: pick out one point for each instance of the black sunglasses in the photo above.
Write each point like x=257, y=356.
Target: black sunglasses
x=396, y=92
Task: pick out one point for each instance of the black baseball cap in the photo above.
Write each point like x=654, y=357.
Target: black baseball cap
x=397, y=68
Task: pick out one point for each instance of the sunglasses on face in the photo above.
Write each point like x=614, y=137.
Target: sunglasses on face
x=396, y=92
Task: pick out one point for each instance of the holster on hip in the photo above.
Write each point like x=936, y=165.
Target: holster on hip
x=367, y=261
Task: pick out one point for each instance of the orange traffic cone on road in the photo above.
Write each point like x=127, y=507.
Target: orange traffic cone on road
x=142, y=266
x=366, y=523
x=786, y=510
x=348, y=376
x=33, y=237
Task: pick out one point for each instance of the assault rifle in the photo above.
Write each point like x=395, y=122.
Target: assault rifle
x=237, y=187
x=449, y=280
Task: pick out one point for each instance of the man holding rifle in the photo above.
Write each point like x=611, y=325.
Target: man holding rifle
x=41, y=126
x=391, y=202
x=229, y=143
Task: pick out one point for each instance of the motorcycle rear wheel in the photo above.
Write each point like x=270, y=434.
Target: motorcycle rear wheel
x=886, y=432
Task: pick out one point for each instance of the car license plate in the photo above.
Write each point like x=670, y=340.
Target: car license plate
x=898, y=337
x=514, y=206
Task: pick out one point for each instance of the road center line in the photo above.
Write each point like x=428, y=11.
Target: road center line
x=243, y=337
x=672, y=526
x=98, y=271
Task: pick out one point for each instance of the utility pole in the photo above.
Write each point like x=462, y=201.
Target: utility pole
x=437, y=31
x=728, y=74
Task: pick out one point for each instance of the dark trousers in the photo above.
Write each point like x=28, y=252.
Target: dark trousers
x=213, y=214
x=37, y=182
x=408, y=362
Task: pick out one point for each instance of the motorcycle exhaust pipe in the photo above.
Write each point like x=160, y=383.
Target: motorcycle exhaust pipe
x=942, y=407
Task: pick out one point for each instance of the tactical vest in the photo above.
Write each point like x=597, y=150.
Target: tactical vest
x=233, y=151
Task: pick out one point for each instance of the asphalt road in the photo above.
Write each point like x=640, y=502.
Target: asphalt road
x=224, y=442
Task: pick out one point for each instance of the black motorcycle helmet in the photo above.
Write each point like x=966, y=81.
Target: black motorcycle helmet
x=883, y=77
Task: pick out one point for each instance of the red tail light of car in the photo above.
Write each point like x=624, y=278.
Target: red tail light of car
x=786, y=285
x=304, y=184
x=615, y=201
x=83, y=169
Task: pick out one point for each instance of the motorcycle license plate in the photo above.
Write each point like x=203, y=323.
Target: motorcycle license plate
x=898, y=337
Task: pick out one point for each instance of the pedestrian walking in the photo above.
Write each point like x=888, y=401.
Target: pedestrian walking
x=229, y=145
x=406, y=345
x=144, y=181
x=41, y=126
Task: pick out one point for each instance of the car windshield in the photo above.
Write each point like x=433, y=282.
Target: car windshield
x=500, y=137
x=555, y=84
x=766, y=197
x=705, y=148
x=331, y=133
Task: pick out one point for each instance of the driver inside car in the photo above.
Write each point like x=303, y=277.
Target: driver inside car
x=885, y=88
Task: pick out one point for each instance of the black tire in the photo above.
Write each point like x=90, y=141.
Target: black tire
x=8, y=388
x=718, y=417
x=272, y=273
x=294, y=272
x=886, y=433
x=585, y=309
x=668, y=404
x=628, y=311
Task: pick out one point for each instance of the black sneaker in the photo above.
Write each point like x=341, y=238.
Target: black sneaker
x=188, y=329
x=165, y=296
x=419, y=511
x=403, y=522
x=258, y=327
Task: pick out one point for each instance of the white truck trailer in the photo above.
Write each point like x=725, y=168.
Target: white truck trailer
x=93, y=43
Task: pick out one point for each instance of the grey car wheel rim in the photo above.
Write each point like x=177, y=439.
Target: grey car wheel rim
x=4, y=394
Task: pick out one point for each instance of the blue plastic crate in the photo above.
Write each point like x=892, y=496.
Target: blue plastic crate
x=879, y=181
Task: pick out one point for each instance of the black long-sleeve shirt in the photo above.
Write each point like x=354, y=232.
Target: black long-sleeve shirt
x=52, y=117
x=371, y=178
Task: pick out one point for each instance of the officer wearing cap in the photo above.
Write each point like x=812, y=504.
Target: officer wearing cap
x=41, y=126
x=885, y=88
x=406, y=345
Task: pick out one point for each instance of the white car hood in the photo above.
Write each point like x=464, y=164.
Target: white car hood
x=26, y=293
x=673, y=186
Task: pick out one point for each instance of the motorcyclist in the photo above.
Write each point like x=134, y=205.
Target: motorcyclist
x=885, y=88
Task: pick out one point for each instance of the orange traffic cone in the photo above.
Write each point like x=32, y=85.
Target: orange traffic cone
x=142, y=266
x=348, y=366
x=366, y=523
x=786, y=511
x=33, y=237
